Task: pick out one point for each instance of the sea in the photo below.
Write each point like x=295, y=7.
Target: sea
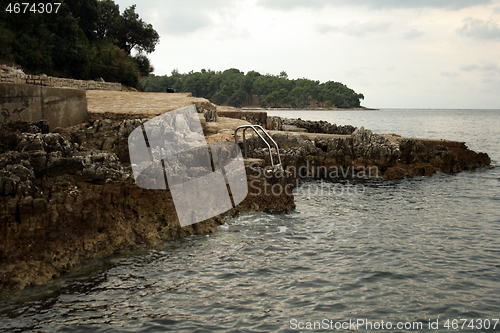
x=409, y=255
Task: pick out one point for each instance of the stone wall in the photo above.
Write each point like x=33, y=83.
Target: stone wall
x=60, y=107
x=58, y=82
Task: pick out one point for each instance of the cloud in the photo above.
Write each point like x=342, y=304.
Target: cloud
x=184, y=22
x=377, y=4
x=487, y=67
x=480, y=29
x=450, y=74
x=413, y=33
x=355, y=29
x=469, y=68
x=180, y=17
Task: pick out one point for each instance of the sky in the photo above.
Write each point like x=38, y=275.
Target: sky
x=398, y=53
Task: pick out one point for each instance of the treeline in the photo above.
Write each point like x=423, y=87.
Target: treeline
x=235, y=88
x=85, y=39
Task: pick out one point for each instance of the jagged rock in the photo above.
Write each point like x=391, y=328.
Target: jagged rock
x=43, y=125
x=391, y=155
x=411, y=150
x=62, y=202
x=210, y=115
x=274, y=123
x=25, y=127
x=58, y=165
x=320, y=126
x=293, y=128
x=374, y=147
x=205, y=105
x=12, y=70
x=64, y=199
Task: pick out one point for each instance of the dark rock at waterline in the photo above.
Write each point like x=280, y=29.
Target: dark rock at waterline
x=320, y=126
x=392, y=156
x=41, y=126
x=70, y=195
x=64, y=200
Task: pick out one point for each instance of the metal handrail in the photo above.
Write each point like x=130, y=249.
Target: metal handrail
x=255, y=127
x=272, y=140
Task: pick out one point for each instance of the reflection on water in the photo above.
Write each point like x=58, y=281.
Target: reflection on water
x=406, y=250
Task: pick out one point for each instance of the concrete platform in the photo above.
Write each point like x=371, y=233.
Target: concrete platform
x=141, y=103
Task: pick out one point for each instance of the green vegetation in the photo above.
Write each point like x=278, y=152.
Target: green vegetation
x=235, y=88
x=85, y=39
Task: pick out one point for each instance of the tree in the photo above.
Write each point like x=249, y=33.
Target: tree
x=87, y=14
x=108, y=13
x=283, y=97
x=193, y=84
x=236, y=89
x=117, y=66
x=79, y=41
x=260, y=87
x=6, y=40
x=272, y=99
x=219, y=98
x=143, y=64
x=175, y=72
x=132, y=32
x=237, y=99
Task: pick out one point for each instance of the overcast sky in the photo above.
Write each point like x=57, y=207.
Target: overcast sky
x=398, y=53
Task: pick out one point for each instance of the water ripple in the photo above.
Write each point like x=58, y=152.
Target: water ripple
x=406, y=250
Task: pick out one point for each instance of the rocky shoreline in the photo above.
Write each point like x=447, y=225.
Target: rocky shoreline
x=362, y=108
x=312, y=145
x=386, y=156
x=69, y=195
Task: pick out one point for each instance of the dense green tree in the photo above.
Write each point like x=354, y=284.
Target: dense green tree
x=132, y=32
x=116, y=65
x=235, y=88
x=79, y=41
x=6, y=40
x=87, y=14
x=143, y=64
x=237, y=99
x=108, y=13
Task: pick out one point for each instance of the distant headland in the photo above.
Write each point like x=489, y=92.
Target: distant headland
x=254, y=90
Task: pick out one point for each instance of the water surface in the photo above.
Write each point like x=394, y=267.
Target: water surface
x=408, y=250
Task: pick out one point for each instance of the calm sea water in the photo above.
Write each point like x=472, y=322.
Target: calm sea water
x=407, y=251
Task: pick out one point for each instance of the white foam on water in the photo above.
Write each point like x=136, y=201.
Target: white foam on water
x=282, y=229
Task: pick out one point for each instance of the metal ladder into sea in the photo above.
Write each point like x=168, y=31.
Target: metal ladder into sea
x=268, y=142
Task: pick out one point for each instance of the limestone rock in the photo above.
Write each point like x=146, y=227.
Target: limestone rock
x=210, y=115
x=374, y=147
x=320, y=126
x=274, y=123
x=205, y=105
x=62, y=202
